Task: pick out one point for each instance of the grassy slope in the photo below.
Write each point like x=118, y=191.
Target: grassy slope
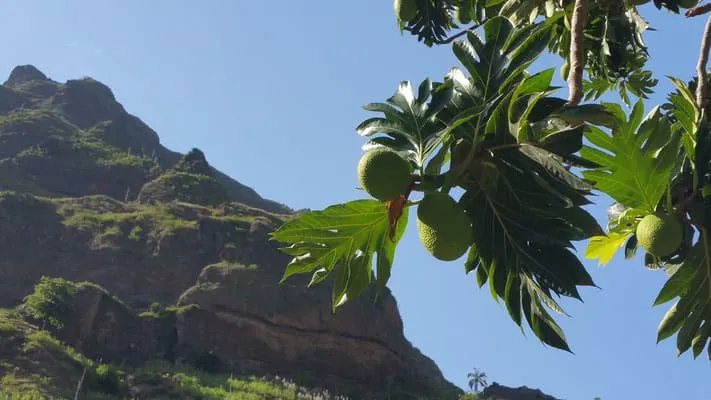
x=41, y=367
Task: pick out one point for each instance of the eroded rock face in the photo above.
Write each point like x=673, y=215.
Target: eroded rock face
x=221, y=261
x=318, y=352
x=361, y=342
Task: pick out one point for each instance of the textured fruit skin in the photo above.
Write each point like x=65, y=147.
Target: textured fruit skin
x=405, y=10
x=659, y=234
x=443, y=227
x=384, y=174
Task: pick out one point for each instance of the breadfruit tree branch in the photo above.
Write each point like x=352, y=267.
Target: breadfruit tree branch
x=701, y=88
x=577, y=53
x=692, y=12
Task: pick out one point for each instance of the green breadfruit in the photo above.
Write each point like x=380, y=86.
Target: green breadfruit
x=384, y=174
x=659, y=234
x=405, y=10
x=443, y=227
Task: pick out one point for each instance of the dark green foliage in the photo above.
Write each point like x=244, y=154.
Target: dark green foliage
x=108, y=377
x=51, y=301
x=614, y=35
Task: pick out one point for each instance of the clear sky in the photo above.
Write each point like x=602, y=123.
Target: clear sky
x=271, y=92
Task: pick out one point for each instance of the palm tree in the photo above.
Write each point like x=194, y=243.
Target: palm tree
x=476, y=379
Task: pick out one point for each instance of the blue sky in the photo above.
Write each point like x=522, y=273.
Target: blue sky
x=271, y=92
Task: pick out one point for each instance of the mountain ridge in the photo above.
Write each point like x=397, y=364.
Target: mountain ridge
x=90, y=106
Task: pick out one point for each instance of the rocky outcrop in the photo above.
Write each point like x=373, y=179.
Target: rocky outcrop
x=212, y=335
x=186, y=187
x=23, y=74
x=500, y=392
x=219, y=259
x=86, y=102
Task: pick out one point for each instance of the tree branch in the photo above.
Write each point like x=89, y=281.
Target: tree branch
x=692, y=12
x=701, y=88
x=577, y=53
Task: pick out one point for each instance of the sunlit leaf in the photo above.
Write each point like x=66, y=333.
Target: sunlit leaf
x=344, y=238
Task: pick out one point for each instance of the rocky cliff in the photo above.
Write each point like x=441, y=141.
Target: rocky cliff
x=91, y=195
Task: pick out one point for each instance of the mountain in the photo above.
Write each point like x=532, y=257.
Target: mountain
x=161, y=270
x=74, y=139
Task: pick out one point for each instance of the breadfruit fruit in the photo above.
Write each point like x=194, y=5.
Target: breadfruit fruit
x=688, y=3
x=444, y=229
x=659, y=234
x=384, y=174
x=405, y=10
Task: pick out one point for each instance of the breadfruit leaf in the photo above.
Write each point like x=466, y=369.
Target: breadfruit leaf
x=636, y=159
x=523, y=228
x=342, y=238
x=433, y=20
x=409, y=121
x=690, y=316
x=688, y=122
x=604, y=247
x=496, y=65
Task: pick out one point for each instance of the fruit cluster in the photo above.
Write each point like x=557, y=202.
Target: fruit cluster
x=444, y=228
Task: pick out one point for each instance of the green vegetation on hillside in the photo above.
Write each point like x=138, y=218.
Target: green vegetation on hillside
x=103, y=215
x=35, y=365
x=185, y=186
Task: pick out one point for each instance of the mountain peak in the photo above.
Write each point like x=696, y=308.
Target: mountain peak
x=24, y=73
x=91, y=131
